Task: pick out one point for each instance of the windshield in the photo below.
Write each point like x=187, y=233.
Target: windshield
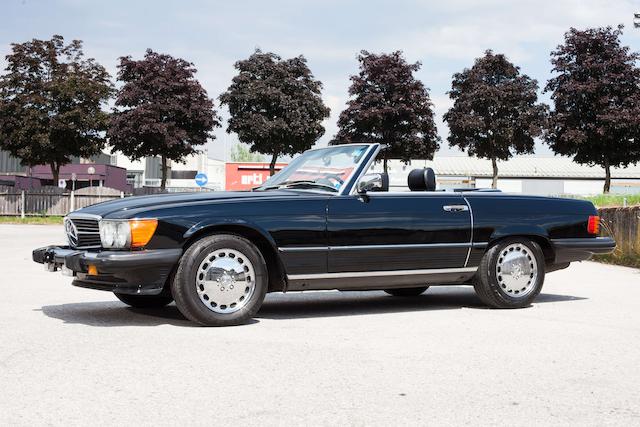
x=323, y=169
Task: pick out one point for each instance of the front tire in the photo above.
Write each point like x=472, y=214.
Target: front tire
x=144, y=301
x=221, y=281
x=407, y=292
x=511, y=274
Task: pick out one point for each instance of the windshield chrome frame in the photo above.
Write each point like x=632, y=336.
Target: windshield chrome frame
x=349, y=185
x=361, y=167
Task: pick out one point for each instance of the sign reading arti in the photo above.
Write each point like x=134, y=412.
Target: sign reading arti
x=252, y=179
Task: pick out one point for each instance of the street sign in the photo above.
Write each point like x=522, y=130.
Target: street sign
x=62, y=183
x=202, y=179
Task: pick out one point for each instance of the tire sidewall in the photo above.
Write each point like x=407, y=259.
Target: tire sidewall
x=184, y=285
x=492, y=278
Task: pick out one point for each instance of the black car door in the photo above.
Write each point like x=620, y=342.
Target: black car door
x=397, y=231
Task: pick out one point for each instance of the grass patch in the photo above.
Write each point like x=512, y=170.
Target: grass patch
x=609, y=200
x=41, y=220
x=628, y=260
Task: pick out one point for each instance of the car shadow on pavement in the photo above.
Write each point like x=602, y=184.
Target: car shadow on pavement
x=330, y=304
x=284, y=306
x=114, y=313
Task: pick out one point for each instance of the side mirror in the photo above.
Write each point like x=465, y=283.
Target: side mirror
x=373, y=182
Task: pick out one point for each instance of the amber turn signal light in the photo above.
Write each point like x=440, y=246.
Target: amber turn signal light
x=92, y=270
x=141, y=231
x=593, y=225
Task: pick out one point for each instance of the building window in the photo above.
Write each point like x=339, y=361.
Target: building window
x=183, y=174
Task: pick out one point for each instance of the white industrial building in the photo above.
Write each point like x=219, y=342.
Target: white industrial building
x=181, y=175
x=522, y=174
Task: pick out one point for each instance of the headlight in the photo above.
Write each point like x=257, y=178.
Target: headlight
x=121, y=234
x=115, y=234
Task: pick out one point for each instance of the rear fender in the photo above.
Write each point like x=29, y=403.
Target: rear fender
x=519, y=230
x=533, y=232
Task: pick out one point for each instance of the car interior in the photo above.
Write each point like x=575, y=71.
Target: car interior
x=424, y=179
x=418, y=180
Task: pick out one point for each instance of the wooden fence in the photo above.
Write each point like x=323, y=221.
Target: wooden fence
x=623, y=224
x=52, y=200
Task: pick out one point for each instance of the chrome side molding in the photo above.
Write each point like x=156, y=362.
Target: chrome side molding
x=374, y=247
x=348, y=274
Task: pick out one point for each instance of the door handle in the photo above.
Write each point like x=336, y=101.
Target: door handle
x=455, y=208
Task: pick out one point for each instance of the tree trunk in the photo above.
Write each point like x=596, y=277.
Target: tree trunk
x=272, y=165
x=55, y=171
x=607, y=177
x=384, y=163
x=163, y=182
x=494, y=181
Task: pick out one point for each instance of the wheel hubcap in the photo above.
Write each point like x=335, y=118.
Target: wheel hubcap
x=517, y=270
x=225, y=281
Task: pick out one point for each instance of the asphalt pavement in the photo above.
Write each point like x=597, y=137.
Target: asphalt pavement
x=72, y=356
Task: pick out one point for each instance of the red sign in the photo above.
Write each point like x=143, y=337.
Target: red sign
x=245, y=176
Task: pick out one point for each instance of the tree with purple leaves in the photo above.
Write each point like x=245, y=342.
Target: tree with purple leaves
x=275, y=105
x=596, y=94
x=495, y=111
x=51, y=101
x=390, y=106
x=160, y=110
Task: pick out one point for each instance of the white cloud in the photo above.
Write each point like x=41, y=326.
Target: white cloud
x=444, y=35
x=466, y=28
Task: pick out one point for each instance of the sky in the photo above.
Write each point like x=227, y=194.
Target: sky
x=445, y=36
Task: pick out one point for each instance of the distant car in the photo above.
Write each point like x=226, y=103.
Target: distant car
x=323, y=222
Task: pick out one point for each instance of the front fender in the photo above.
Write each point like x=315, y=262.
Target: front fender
x=221, y=222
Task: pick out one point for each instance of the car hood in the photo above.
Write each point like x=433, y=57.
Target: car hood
x=137, y=203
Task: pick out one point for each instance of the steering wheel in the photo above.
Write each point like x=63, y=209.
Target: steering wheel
x=333, y=180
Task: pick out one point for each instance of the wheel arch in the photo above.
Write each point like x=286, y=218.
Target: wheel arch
x=264, y=243
x=541, y=239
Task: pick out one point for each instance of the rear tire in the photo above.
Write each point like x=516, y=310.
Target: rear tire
x=144, y=301
x=511, y=273
x=221, y=281
x=407, y=292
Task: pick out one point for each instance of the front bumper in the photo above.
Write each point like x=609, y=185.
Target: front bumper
x=129, y=272
x=580, y=249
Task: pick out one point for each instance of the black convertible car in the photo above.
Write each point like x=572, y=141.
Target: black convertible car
x=323, y=222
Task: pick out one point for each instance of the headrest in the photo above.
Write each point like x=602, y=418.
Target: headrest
x=422, y=180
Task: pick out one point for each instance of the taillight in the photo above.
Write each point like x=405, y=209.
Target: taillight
x=593, y=225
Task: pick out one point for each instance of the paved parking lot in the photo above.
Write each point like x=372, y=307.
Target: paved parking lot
x=79, y=357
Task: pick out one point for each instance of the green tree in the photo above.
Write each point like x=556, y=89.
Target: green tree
x=390, y=106
x=160, y=110
x=240, y=153
x=51, y=100
x=275, y=105
x=495, y=111
x=596, y=96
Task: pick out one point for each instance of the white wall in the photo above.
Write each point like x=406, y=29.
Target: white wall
x=507, y=185
x=583, y=187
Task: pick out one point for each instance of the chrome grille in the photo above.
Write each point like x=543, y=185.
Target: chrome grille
x=83, y=233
